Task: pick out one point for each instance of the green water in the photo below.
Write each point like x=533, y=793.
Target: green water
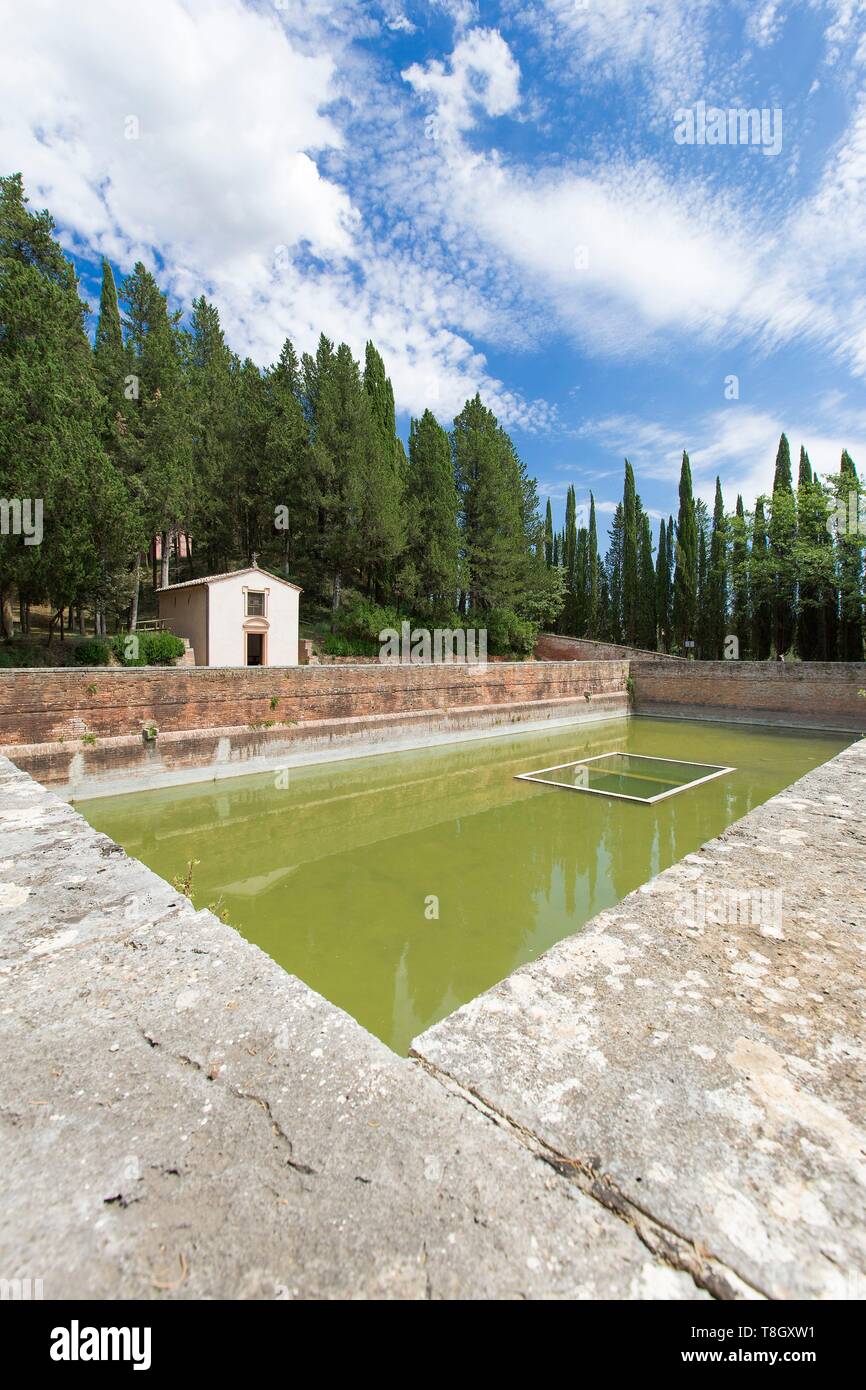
x=338, y=870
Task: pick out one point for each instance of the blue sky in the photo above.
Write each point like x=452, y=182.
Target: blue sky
x=494, y=193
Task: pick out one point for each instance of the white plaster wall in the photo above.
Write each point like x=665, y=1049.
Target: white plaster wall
x=184, y=612
x=228, y=614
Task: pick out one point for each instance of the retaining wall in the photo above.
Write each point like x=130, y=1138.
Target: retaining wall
x=820, y=693
x=551, y=647
x=39, y=706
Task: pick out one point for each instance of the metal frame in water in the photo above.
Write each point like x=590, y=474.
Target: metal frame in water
x=623, y=796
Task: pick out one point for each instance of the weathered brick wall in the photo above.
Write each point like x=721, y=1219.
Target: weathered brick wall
x=39, y=706
x=813, y=691
x=551, y=647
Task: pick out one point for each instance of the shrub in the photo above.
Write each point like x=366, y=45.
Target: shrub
x=154, y=648
x=335, y=645
x=363, y=620
x=93, y=652
x=507, y=634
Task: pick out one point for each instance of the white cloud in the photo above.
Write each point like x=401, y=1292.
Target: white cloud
x=225, y=114
x=221, y=193
x=736, y=442
x=481, y=72
x=661, y=42
x=764, y=25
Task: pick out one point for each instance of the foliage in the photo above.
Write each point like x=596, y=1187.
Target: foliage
x=154, y=648
x=92, y=653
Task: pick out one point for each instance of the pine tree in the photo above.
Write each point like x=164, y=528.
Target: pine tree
x=684, y=614
x=51, y=418
x=163, y=424
x=434, y=537
x=290, y=466
x=491, y=481
x=383, y=518
x=213, y=375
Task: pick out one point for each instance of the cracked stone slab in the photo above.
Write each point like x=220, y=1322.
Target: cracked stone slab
x=696, y=1054
x=179, y=1118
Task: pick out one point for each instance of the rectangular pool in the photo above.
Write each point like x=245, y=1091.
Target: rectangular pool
x=402, y=885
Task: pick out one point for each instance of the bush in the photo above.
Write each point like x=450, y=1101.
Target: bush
x=364, y=620
x=335, y=645
x=154, y=648
x=93, y=652
x=507, y=634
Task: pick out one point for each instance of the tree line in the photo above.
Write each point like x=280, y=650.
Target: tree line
x=785, y=579
x=157, y=429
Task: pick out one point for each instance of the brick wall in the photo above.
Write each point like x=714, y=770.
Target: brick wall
x=812, y=692
x=38, y=706
x=551, y=647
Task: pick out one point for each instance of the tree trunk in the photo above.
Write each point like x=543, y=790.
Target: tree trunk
x=133, y=606
x=51, y=626
x=335, y=602
x=7, y=622
x=163, y=576
x=190, y=571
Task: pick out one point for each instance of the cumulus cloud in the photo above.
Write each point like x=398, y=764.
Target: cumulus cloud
x=480, y=73
x=194, y=141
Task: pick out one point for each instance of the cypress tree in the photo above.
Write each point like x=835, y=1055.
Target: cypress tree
x=290, y=468
x=849, y=543
x=613, y=571
x=782, y=533
x=594, y=565
x=548, y=535
x=646, y=597
x=761, y=585
x=718, y=580
x=383, y=520
x=684, y=614
x=741, y=615
x=52, y=417
x=432, y=500
x=629, y=556
x=810, y=551
x=663, y=589
x=569, y=613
